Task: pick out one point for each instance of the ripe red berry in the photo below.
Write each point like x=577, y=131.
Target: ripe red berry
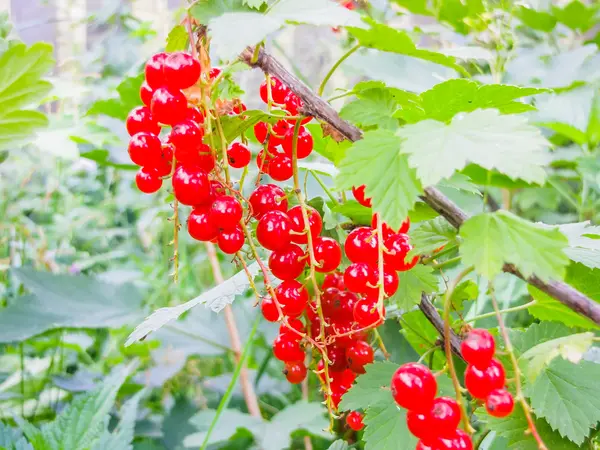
x=335, y=279
x=478, y=348
x=295, y=372
x=168, y=106
x=166, y=162
x=238, y=155
x=260, y=131
x=263, y=161
x=231, y=240
x=337, y=358
x=280, y=130
x=286, y=349
x=195, y=115
x=360, y=277
x=361, y=245
x=140, y=119
x=148, y=180
x=154, y=70
x=205, y=159
x=444, y=416
x=354, y=420
x=414, y=387
x=145, y=149
x=293, y=297
x=269, y=309
x=289, y=263
x=200, y=226
x=422, y=446
x=327, y=253
x=460, y=441
x=347, y=301
x=292, y=324
x=267, y=197
x=358, y=355
x=273, y=231
x=315, y=223
x=226, y=211
x=181, y=70
x=366, y=314
x=280, y=168
x=191, y=186
x=480, y=383
x=419, y=425
x=305, y=144
x=386, y=230
x=278, y=91
x=186, y=137
x=499, y=403
x=344, y=333
x=293, y=104
x=390, y=282
x=146, y=93
x=398, y=246
x=359, y=195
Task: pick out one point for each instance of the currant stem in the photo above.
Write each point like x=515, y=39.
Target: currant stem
x=223, y=150
x=343, y=58
x=502, y=311
x=380, y=281
x=325, y=188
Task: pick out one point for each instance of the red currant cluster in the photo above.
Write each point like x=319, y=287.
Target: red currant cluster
x=433, y=420
x=485, y=377
x=278, y=140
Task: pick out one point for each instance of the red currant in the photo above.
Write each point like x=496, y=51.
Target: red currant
x=295, y=372
x=289, y=263
x=191, y=186
x=354, y=420
x=422, y=446
x=347, y=301
x=269, y=309
x=205, y=158
x=305, y=144
x=280, y=130
x=335, y=279
x=499, y=403
x=419, y=424
x=315, y=223
x=200, y=225
x=358, y=355
x=166, y=162
x=263, y=161
x=280, y=168
x=146, y=93
x=444, y=416
x=267, y=197
x=273, y=231
x=414, y=387
x=327, y=253
x=140, y=119
x=344, y=334
x=145, y=149
x=238, y=155
x=360, y=277
x=195, y=115
x=361, y=245
x=286, y=349
x=186, y=137
x=398, y=246
x=293, y=324
x=226, y=212
x=231, y=240
x=278, y=91
x=148, y=180
x=293, y=297
x=359, y=195
x=390, y=282
x=386, y=230
x=293, y=105
x=155, y=77
x=461, y=441
x=480, y=383
x=261, y=130
x=337, y=358
x=181, y=70
x=168, y=106
x=478, y=348
x=366, y=313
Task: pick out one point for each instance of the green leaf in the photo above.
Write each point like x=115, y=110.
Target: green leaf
x=315, y=12
x=177, y=40
x=205, y=10
x=122, y=436
x=567, y=396
x=584, y=243
x=576, y=15
x=231, y=422
x=373, y=108
x=386, y=429
x=372, y=388
x=430, y=235
x=17, y=127
x=256, y=4
x=376, y=162
x=12, y=439
x=356, y=212
x=492, y=239
x=59, y=301
x=339, y=445
x=422, y=335
x=538, y=20
x=506, y=143
x=388, y=39
x=465, y=291
x=413, y=282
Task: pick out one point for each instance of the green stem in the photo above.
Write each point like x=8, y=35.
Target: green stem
x=502, y=311
x=22, y=361
x=446, y=263
x=439, y=254
x=325, y=188
x=334, y=68
x=566, y=195
x=337, y=97
x=236, y=374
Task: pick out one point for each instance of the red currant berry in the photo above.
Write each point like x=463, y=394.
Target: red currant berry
x=405, y=226
x=398, y=246
x=238, y=155
x=293, y=104
x=273, y=231
x=140, y=119
x=260, y=131
x=361, y=245
x=200, y=226
x=278, y=91
x=280, y=130
x=293, y=297
x=267, y=197
x=349, y=4
x=335, y=279
x=269, y=309
x=292, y=324
x=231, y=240
x=145, y=149
x=366, y=313
x=337, y=358
x=305, y=144
x=280, y=168
x=181, y=70
x=390, y=282
x=461, y=441
x=155, y=77
x=347, y=302
x=166, y=162
x=419, y=424
x=286, y=349
x=444, y=416
x=186, y=137
x=289, y=263
x=387, y=230
x=191, y=186
x=499, y=403
x=238, y=109
x=148, y=180
x=358, y=355
x=315, y=223
x=168, y=106
x=263, y=161
x=480, y=383
x=195, y=115
x=344, y=333
x=327, y=253
x=478, y=348
x=359, y=195
x=146, y=93
x=360, y=277
x=354, y=420
x=214, y=73
x=295, y=372
x=414, y=387
x=206, y=159
x=422, y=446
x=226, y=212
x=330, y=302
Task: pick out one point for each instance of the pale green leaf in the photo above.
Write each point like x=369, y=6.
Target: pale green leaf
x=465, y=291
x=376, y=162
x=413, y=283
x=177, y=40
x=386, y=429
x=231, y=422
x=584, y=243
x=315, y=12
x=492, y=239
x=17, y=127
x=358, y=213
x=422, y=336
x=538, y=20
x=372, y=388
x=430, y=235
x=256, y=4
x=506, y=143
x=121, y=438
x=12, y=439
x=205, y=10
x=339, y=445
x=461, y=182
x=373, y=108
